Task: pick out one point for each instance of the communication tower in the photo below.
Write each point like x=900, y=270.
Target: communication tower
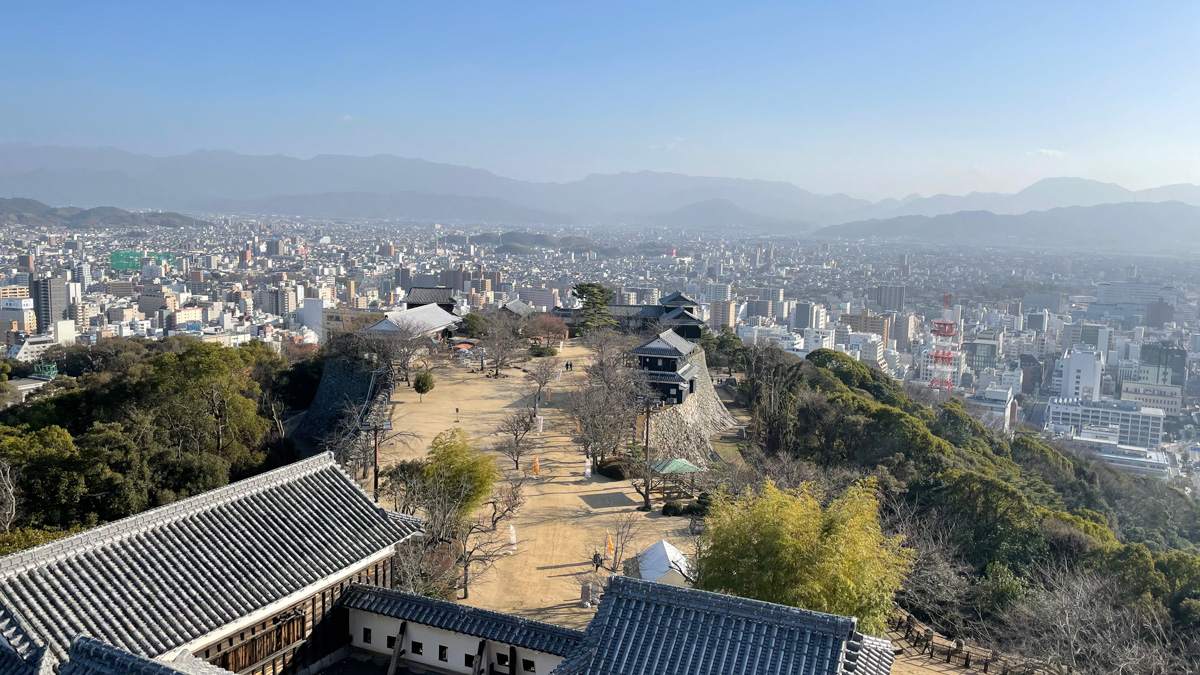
x=945, y=354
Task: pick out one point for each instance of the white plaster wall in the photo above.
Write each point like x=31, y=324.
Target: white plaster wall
x=432, y=638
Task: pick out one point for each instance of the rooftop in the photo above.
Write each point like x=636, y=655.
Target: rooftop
x=159, y=580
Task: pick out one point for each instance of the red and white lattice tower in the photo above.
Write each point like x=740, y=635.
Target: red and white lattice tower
x=945, y=354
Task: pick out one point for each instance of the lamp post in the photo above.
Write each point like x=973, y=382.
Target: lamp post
x=376, y=428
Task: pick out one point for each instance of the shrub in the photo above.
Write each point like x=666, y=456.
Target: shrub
x=674, y=508
x=611, y=467
x=699, y=508
x=543, y=351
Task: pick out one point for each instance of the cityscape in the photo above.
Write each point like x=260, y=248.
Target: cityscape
x=883, y=400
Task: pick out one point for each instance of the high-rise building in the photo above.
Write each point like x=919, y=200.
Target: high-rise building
x=867, y=323
x=809, y=315
x=888, y=298
x=1163, y=364
x=721, y=313
x=714, y=292
x=50, y=300
x=1082, y=371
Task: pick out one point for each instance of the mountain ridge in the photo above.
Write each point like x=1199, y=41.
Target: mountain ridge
x=202, y=179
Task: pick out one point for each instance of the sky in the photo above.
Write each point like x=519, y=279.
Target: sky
x=873, y=99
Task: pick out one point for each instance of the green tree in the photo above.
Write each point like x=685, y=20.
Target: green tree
x=596, y=299
x=781, y=546
x=423, y=383
x=474, y=325
x=462, y=471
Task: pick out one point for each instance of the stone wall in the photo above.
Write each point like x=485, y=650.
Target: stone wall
x=345, y=382
x=682, y=431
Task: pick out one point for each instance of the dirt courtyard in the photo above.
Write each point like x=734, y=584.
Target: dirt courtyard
x=565, y=517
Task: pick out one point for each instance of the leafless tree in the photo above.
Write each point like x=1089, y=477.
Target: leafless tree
x=624, y=533
x=642, y=477
x=938, y=586
x=1069, y=623
x=9, y=498
x=506, y=500
x=516, y=426
x=400, y=347
x=503, y=341
x=541, y=373
x=610, y=358
x=603, y=419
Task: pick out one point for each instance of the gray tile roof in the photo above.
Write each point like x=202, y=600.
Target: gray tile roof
x=95, y=657
x=666, y=343
x=866, y=655
x=480, y=623
x=12, y=664
x=677, y=299
x=153, y=582
x=646, y=628
x=430, y=296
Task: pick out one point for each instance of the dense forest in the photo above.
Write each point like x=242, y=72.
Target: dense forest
x=1019, y=545
x=131, y=424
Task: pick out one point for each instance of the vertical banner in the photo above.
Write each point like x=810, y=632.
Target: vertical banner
x=540, y=419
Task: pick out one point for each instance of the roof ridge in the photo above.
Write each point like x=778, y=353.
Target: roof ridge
x=368, y=588
x=766, y=611
x=92, y=538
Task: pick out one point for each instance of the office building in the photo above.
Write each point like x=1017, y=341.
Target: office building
x=887, y=298
x=1139, y=426
x=51, y=302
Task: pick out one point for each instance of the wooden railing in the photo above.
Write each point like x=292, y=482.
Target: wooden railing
x=926, y=642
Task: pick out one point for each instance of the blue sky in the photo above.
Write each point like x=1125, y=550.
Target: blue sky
x=869, y=98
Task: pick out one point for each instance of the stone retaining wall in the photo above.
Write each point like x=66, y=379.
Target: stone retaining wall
x=683, y=431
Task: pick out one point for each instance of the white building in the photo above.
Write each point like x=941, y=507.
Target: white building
x=1166, y=396
x=1140, y=426
x=1082, y=371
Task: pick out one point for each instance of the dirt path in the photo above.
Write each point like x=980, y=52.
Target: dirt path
x=565, y=517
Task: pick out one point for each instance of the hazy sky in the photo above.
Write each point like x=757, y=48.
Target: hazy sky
x=871, y=99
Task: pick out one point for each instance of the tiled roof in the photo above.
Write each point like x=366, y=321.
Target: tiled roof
x=159, y=580
x=666, y=343
x=679, y=315
x=480, y=623
x=866, y=655
x=646, y=628
x=11, y=664
x=430, y=296
x=426, y=319
x=519, y=308
x=677, y=299
x=94, y=657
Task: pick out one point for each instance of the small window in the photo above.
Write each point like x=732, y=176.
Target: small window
x=527, y=665
x=443, y=653
x=391, y=642
x=418, y=648
x=469, y=660
x=366, y=636
x=502, y=659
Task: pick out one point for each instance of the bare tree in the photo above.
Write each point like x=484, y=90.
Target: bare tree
x=480, y=546
x=1069, y=622
x=603, y=419
x=541, y=374
x=624, y=533
x=516, y=426
x=399, y=347
x=9, y=498
x=547, y=328
x=503, y=340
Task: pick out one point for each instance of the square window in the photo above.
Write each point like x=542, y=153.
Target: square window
x=391, y=642
x=417, y=648
x=366, y=636
x=527, y=665
x=469, y=660
x=443, y=653
x=502, y=659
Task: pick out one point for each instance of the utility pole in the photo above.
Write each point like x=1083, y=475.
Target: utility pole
x=376, y=428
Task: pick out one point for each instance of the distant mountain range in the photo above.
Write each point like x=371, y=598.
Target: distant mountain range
x=1145, y=227
x=35, y=213
x=386, y=186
